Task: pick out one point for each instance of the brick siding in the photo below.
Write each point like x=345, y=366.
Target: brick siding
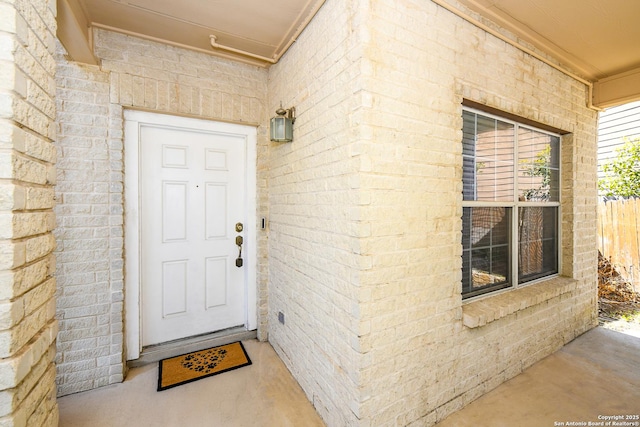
x=365, y=243
x=27, y=175
x=88, y=233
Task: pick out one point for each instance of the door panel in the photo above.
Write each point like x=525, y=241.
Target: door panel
x=174, y=287
x=174, y=211
x=192, y=192
x=216, y=224
x=215, y=276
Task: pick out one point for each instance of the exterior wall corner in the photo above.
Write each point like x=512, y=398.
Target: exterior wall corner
x=28, y=326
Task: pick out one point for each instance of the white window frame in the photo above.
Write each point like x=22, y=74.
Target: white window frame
x=515, y=205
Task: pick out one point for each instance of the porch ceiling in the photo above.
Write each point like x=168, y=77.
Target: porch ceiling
x=599, y=40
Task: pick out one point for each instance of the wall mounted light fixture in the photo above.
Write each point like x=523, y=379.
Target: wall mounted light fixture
x=281, y=129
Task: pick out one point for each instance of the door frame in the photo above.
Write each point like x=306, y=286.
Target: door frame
x=132, y=283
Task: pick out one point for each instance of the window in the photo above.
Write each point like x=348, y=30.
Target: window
x=511, y=202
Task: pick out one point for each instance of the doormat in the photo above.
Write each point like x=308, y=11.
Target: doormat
x=194, y=366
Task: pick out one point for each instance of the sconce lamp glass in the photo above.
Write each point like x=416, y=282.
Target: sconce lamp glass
x=281, y=126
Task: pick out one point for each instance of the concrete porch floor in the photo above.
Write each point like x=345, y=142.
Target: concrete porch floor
x=261, y=394
x=597, y=374
x=594, y=376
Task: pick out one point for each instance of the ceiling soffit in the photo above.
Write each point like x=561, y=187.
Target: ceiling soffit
x=254, y=31
x=593, y=39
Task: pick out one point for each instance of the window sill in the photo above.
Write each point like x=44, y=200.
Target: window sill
x=481, y=312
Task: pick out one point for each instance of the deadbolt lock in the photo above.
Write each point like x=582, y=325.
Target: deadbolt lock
x=239, y=227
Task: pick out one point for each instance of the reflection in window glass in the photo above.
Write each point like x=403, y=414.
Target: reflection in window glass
x=538, y=165
x=538, y=242
x=488, y=158
x=485, y=244
x=508, y=237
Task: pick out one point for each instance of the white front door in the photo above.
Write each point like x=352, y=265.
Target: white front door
x=192, y=193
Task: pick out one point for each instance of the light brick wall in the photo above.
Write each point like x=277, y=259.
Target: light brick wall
x=422, y=66
x=89, y=233
x=367, y=267
x=27, y=174
x=314, y=204
x=145, y=75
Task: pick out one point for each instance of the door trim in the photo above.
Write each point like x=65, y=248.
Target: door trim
x=132, y=300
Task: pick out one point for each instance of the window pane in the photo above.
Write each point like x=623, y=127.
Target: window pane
x=467, y=283
x=468, y=133
x=554, y=187
x=489, y=226
x=468, y=178
x=500, y=264
x=486, y=253
x=468, y=155
x=488, y=158
x=554, y=157
x=538, y=166
x=538, y=242
x=466, y=228
x=494, y=160
x=494, y=180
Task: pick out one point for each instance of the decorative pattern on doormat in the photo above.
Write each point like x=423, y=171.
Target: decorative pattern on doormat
x=190, y=367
